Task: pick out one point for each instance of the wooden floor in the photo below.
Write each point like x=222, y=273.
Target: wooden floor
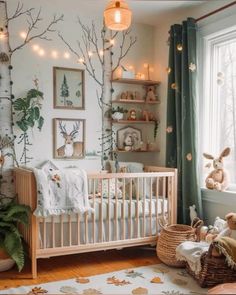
x=87, y=264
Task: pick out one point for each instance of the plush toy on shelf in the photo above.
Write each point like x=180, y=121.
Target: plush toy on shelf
x=218, y=179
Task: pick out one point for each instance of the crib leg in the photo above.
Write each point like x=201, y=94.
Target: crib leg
x=34, y=268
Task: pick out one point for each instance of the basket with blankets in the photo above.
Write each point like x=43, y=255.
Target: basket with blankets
x=212, y=261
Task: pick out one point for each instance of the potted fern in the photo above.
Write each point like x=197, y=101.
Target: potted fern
x=11, y=244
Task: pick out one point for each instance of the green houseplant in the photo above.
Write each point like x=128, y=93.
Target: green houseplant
x=28, y=112
x=11, y=243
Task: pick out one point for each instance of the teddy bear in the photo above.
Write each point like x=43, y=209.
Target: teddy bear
x=218, y=179
x=229, y=231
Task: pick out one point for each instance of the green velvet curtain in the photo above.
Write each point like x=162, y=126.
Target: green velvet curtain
x=181, y=145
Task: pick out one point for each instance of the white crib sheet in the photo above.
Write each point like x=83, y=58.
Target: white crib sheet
x=130, y=224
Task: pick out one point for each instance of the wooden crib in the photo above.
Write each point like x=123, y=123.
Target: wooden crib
x=130, y=220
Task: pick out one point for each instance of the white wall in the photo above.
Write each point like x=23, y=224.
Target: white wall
x=162, y=49
x=28, y=64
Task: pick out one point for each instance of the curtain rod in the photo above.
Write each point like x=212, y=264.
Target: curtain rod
x=216, y=11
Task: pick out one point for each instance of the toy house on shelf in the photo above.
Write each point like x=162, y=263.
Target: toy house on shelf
x=135, y=115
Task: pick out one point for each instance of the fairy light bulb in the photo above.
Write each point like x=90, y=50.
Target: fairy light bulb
x=90, y=53
x=35, y=47
x=23, y=35
x=54, y=54
x=81, y=60
x=145, y=65
x=66, y=55
x=2, y=35
x=41, y=52
x=112, y=42
x=101, y=52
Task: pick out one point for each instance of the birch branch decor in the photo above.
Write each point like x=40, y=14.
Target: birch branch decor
x=100, y=47
x=33, y=19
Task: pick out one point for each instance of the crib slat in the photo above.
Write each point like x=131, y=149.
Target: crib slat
x=62, y=230
x=137, y=209
x=157, y=199
x=69, y=221
x=78, y=228
x=144, y=205
x=169, y=198
x=44, y=233
x=130, y=207
x=163, y=197
x=101, y=213
x=86, y=227
x=53, y=231
x=123, y=210
x=94, y=188
x=150, y=207
x=115, y=213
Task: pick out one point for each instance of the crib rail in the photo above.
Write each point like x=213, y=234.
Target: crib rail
x=127, y=208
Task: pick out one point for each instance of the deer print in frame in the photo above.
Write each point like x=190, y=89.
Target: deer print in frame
x=69, y=138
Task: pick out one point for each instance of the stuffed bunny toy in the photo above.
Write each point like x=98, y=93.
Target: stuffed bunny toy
x=218, y=179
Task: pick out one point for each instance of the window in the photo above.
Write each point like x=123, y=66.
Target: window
x=219, y=97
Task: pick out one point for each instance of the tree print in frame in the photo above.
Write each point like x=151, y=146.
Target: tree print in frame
x=68, y=138
x=68, y=88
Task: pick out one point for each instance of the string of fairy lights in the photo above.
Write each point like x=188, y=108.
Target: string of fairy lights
x=55, y=54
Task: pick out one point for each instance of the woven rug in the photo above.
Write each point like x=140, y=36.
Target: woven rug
x=152, y=279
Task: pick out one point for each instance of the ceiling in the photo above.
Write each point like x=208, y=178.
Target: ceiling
x=150, y=11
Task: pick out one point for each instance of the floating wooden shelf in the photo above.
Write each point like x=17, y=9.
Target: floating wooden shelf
x=121, y=151
x=134, y=101
x=136, y=81
x=132, y=122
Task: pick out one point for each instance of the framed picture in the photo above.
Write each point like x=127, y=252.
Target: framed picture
x=68, y=138
x=68, y=88
x=129, y=139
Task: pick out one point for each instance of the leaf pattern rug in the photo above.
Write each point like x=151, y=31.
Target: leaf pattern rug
x=152, y=279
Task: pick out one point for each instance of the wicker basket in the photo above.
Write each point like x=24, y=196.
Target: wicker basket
x=214, y=271
x=171, y=236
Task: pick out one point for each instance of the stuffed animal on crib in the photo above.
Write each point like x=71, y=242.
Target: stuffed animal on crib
x=218, y=179
x=229, y=231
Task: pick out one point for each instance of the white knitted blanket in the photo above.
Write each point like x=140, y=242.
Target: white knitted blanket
x=191, y=253
x=61, y=192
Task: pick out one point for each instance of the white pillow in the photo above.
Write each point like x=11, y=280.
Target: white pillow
x=129, y=167
x=103, y=187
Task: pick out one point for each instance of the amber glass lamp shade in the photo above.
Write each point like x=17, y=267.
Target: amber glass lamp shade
x=117, y=15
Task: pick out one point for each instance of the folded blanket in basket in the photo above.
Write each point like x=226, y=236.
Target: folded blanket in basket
x=191, y=252
x=227, y=246
x=61, y=191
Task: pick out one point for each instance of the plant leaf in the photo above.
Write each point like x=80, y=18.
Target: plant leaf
x=36, y=113
x=23, y=125
x=19, y=104
x=30, y=122
x=40, y=123
x=14, y=248
x=32, y=93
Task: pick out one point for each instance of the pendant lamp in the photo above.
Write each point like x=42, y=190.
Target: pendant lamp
x=117, y=15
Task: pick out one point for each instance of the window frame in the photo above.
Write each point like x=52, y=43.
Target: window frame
x=208, y=37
